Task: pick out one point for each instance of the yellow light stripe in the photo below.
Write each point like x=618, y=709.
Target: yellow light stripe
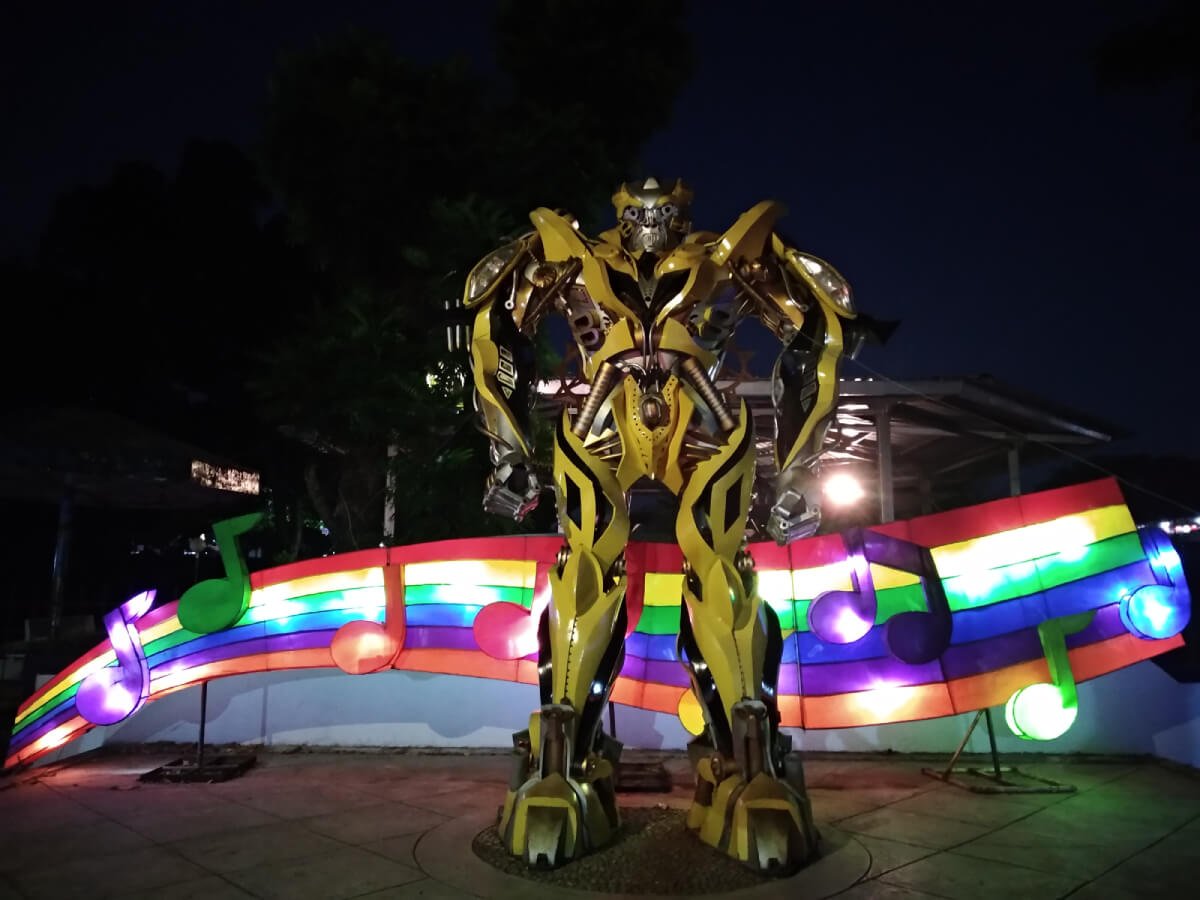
x=885, y=577
x=318, y=584
x=104, y=659
x=775, y=585
x=808, y=583
x=663, y=589
x=494, y=572
x=1064, y=535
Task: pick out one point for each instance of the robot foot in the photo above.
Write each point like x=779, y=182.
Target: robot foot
x=558, y=812
x=745, y=811
x=762, y=823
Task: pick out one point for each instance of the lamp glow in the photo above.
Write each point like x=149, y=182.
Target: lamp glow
x=1039, y=712
x=843, y=489
x=1153, y=612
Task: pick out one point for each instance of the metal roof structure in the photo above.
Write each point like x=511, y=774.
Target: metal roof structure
x=913, y=440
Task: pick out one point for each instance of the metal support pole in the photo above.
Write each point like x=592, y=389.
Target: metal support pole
x=203, y=721
x=883, y=440
x=58, y=570
x=612, y=719
x=1014, y=470
x=987, y=717
x=962, y=745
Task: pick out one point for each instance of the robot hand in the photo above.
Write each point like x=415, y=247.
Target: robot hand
x=796, y=512
x=512, y=491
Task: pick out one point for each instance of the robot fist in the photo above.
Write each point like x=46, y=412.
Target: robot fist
x=512, y=491
x=796, y=512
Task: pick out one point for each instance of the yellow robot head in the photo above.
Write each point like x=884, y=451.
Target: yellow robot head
x=653, y=218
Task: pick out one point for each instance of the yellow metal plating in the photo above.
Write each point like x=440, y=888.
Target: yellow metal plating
x=652, y=308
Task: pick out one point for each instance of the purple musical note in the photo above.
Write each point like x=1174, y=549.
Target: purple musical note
x=115, y=693
x=843, y=617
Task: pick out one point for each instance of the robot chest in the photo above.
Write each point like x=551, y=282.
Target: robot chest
x=701, y=298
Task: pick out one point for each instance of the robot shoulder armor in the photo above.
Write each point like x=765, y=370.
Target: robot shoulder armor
x=493, y=268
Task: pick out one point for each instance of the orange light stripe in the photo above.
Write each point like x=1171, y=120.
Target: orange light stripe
x=67, y=731
x=456, y=662
x=877, y=707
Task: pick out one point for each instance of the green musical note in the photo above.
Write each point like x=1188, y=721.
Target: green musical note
x=218, y=603
x=1043, y=712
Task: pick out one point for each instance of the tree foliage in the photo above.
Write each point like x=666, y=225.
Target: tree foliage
x=1157, y=52
x=395, y=177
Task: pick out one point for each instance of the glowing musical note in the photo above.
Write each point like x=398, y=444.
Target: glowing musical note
x=115, y=693
x=843, y=617
x=1163, y=609
x=1041, y=711
x=507, y=630
x=218, y=603
x=362, y=647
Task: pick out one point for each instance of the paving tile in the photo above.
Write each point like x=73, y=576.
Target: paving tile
x=298, y=803
x=1074, y=850
x=934, y=832
x=373, y=823
x=211, y=887
x=345, y=872
x=165, y=827
x=402, y=849
x=887, y=855
x=961, y=878
x=107, y=876
x=881, y=890
x=990, y=810
x=1166, y=869
x=466, y=800
x=40, y=849
x=425, y=889
x=242, y=849
x=831, y=805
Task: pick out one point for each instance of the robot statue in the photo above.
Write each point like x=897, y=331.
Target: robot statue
x=651, y=305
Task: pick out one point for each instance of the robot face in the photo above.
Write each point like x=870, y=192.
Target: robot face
x=652, y=219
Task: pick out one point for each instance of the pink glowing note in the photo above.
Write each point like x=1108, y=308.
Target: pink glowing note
x=505, y=630
x=115, y=693
x=362, y=647
x=843, y=617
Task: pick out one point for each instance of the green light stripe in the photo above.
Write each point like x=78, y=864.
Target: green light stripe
x=466, y=594
x=43, y=708
x=977, y=589
x=659, y=620
x=910, y=598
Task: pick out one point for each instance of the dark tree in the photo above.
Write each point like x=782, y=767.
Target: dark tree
x=395, y=178
x=1157, y=53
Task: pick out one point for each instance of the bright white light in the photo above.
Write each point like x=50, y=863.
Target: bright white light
x=843, y=489
x=851, y=432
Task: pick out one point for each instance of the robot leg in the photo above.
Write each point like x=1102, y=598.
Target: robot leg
x=748, y=804
x=561, y=801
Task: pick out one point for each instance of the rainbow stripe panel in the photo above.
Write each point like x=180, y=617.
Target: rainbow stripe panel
x=1005, y=567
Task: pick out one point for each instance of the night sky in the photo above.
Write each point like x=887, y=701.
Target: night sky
x=956, y=161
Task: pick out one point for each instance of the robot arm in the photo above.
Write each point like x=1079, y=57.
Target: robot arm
x=808, y=305
x=502, y=364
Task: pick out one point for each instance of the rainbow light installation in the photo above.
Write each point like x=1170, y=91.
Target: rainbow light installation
x=1016, y=577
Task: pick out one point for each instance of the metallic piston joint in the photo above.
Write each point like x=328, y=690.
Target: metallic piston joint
x=699, y=380
x=602, y=385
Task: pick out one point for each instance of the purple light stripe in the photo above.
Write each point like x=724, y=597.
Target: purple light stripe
x=303, y=640
x=436, y=637
x=634, y=667
x=671, y=673
x=789, y=680
x=34, y=730
x=865, y=675
x=964, y=660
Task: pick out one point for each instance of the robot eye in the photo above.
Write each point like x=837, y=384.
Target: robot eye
x=666, y=212
x=632, y=214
